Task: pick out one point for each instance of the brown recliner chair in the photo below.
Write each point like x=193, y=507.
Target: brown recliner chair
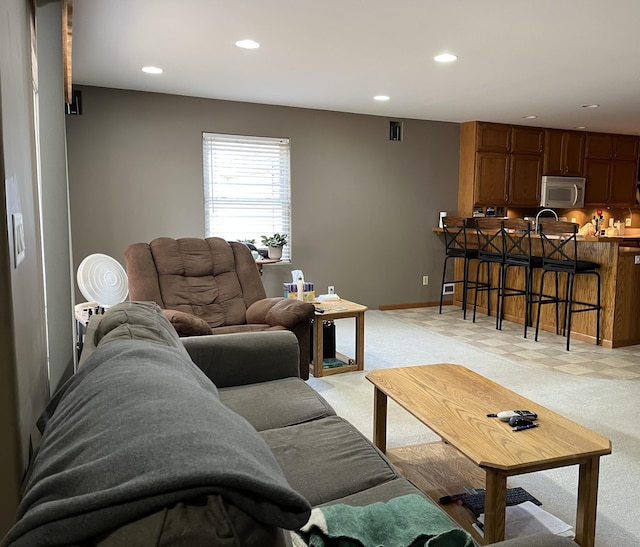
x=212, y=286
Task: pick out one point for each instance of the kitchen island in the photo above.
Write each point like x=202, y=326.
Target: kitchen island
x=620, y=291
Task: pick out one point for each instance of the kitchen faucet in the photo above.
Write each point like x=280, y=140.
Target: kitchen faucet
x=537, y=230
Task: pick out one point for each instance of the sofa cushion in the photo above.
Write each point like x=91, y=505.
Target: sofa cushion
x=284, y=402
x=234, y=329
x=328, y=459
x=381, y=492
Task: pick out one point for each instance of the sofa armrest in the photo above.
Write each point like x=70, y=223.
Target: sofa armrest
x=245, y=358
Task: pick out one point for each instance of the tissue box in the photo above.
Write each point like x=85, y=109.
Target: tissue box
x=291, y=291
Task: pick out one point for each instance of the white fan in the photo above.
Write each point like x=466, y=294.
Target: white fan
x=103, y=280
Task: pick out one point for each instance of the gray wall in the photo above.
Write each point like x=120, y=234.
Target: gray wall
x=23, y=353
x=363, y=206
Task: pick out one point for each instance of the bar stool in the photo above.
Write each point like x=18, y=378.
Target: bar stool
x=456, y=246
x=560, y=256
x=490, y=251
x=517, y=254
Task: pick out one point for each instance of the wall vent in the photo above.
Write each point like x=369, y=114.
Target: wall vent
x=447, y=288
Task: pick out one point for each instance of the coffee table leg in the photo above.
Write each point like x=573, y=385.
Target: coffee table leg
x=587, y=502
x=495, y=501
x=380, y=419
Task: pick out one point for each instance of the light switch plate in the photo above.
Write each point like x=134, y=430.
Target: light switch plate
x=18, y=238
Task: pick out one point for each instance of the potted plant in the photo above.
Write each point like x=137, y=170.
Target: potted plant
x=275, y=243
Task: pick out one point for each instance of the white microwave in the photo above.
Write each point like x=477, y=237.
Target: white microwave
x=562, y=192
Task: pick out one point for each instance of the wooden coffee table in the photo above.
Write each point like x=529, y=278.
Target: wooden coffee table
x=338, y=309
x=454, y=401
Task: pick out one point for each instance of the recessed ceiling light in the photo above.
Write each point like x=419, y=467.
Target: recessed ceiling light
x=590, y=105
x=580, y=127
x=152, y=70
x=445, y=57
x=247, y=44
x=531, y=117
x=381, y=98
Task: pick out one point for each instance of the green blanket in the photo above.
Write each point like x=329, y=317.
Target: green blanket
x=405, y=521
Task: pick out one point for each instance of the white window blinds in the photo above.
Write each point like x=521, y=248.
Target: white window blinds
x=247, y=187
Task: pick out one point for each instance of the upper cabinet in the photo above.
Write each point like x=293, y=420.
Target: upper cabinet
x=527, y=140
x=499, y=165
x=493, y=137
x=604, y=146
x=611, y=168
x=502, y=165
x=564, y=153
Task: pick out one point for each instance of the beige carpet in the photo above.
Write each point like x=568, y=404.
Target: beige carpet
x=608, y=405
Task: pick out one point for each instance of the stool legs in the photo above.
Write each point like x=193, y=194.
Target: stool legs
x=570, y=304
x=464, y=281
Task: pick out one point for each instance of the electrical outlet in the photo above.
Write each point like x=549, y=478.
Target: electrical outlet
x=425, y=279
x=636, y=259
x=331, y=289
x=627, y=222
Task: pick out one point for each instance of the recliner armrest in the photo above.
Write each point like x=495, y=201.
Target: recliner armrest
x=279, y=311
x=245, y=358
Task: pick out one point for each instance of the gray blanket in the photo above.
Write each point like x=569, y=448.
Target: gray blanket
x=137, y=429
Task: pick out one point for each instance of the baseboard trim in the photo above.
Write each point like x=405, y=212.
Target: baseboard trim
x=387, y=307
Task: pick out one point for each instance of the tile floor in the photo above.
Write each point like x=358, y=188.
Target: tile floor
x=549, y=352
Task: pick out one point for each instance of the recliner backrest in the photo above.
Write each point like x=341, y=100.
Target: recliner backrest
x=210, y=278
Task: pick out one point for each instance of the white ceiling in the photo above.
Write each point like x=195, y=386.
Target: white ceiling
x=516, y=57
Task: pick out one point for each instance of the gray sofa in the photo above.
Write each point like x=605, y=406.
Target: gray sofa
x=142, y=447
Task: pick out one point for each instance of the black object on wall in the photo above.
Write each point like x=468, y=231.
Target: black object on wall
x=75, y=107
x=395, y=131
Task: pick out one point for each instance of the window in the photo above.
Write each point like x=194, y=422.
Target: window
x=247, y=187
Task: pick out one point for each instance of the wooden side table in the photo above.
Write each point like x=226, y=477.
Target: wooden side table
x=338, y=309
x=261, y=262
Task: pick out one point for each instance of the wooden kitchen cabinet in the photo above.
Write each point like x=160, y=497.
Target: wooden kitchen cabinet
x=527, y=140
x=492, y=179
x=493, y=137
x=611, y=169
x=622, y=183
x=564, y=153
x=610, y=182
x=499, y=165
x=502, y=165
x=606, y=146
x=596, y=191
x=525, y=174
